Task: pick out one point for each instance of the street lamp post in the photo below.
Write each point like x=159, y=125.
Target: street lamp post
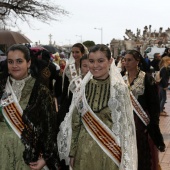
x=50, y=41
x=101, y=29
x=80, y=37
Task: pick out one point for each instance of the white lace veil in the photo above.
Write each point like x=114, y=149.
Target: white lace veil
x=123, y=120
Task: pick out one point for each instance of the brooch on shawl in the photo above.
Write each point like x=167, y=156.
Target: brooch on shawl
x=6, y=99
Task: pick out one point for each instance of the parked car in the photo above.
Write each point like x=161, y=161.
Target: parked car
x=150, y=51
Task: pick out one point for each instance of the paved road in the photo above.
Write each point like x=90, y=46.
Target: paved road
x=164, y=157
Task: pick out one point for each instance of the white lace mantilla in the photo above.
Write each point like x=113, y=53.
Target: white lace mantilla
x=18, y=85
x=138, y=86
x=67, y=71
x=122, y=118
x=65, y=133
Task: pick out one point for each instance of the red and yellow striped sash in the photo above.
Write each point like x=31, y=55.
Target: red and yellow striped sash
x=139, y=110
x=14, y=118
x=102, y=136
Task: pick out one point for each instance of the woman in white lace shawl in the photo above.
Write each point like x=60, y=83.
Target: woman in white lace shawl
x=71, y=72
x=71, y=79
x=105, y=96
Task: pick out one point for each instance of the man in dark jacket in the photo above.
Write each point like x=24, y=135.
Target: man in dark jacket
x=155, y=62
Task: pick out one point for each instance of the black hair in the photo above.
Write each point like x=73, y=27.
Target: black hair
x=138, y=57
x=136, y=54
x=103, y=48
x=84, y=57
x=38, y=64
x=166, y=50
x=156, y=55
x=80, y=46
x=21, y=48
x=4, y=69
x=166, y=53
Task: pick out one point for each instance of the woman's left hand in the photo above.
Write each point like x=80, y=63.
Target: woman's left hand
x=37, y=165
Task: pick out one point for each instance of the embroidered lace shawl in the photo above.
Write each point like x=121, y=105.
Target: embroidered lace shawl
x=138, y=86
x=18, y=85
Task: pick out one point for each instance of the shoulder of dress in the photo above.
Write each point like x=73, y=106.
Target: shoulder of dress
x=149, y=79
x=142, y=73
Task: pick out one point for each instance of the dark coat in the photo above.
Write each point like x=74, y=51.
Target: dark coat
x=146, y=135
x=164, y=74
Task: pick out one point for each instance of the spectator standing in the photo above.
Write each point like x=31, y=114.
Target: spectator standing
x=155, y=62
x=166, y=52
x=163, y=84
x=148, y=63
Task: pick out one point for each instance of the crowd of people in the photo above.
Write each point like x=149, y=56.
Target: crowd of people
x=92, y=112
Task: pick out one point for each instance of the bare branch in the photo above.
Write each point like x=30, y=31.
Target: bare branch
x=42, y=10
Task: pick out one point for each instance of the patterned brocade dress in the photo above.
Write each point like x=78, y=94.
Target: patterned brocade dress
x=11, y=147
x=87, y=153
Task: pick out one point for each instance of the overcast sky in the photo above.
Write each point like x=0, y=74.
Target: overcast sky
x=113, y=16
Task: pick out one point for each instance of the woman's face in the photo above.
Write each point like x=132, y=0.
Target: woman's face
x=84, y=67
x=17, y=64
x=130, y=62
x=77, y=54
x=169, y=62
x=123, y=62
x=62, y=64
x=99, y=65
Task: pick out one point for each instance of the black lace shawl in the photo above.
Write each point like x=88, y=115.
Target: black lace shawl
x=40, y=134
x=150, y=103
x=2, y=87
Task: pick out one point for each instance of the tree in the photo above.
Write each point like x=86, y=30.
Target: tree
x=43, y=10
x=89, y=44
